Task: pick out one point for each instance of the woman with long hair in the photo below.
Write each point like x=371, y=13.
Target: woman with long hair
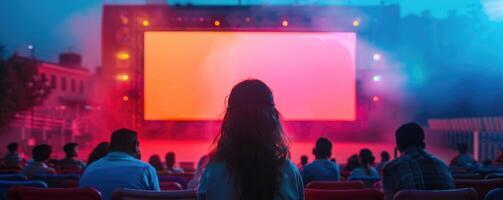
x=366, y=169
x=98, y=152
x=249, y=159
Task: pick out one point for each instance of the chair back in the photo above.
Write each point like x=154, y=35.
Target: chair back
x=170, y=185
x=494, y=194
x=369, y=181
x=13, y=177
x=481, y=186
x=336, y=185
x=10, y=169
x=457, y=194
x=494, y=175
x=56, y=180
x=361, y=194
x=180, y=180
x=468, y=176
x=70, y=170
x=31, y=193
x=5, y=185
x=130, y=194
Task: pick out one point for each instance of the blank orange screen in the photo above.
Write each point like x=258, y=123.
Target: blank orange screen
x=189, y=74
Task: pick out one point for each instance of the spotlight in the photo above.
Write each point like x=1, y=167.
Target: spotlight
x=248, y=19
x=376, y=78
x=125, y=98
x=123, y=55
x=356, y=22
x=122, y=77
x=145, y=23
x=284, y=23
x=376, y=57
x=31, y=47
x=375, y=98
x=216, y=23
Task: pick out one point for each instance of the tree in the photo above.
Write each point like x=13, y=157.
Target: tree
x=20, y=87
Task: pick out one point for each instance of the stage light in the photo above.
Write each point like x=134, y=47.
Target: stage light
x=31, y=47
x=145, y=23
x=123, y=55
x=216, y=23
x=122, y=77
x=375, y=98
x=376, y=78
x=376, y=57
x=125, y=98
x=248, y=19
x=201, y=19
x=284, y=23
x=356, y=22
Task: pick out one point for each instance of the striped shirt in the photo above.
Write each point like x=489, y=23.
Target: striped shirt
x=416, y=169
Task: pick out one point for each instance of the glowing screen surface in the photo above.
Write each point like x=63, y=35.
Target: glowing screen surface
x=189, y=74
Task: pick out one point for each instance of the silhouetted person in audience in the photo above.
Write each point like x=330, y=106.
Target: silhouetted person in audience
x=121, y=168
x=170, y=164
x=463, y=159
x=352, y=163
x=12, y=158
x=100, y=151
x=303, y=162
x=155, y=161
x=322, y=168
x=41, y=153
x=250, y=159
x=71, y=151
x=415, y=168
x=366, y=170
x=384, y=160
x=201, y=165
x=499, y=159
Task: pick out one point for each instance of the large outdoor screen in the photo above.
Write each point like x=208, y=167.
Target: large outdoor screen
x=189, y=74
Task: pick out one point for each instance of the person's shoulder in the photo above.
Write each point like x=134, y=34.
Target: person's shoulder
x=391, y=165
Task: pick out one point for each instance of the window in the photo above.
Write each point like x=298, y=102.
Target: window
x=63, y=83
x=53, y=81
x=81, y=87
x=73, y=85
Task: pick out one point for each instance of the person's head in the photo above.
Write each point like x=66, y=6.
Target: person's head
x=366, y=158
x=385, y=156
x=462, y=148
x=170, y=159
x=98, y=152
x=251, y=141
x=71, y=149
x=155, y=161
x=303, y=160
x=12, y=147
x=409, y=136
x=323, y=149
x=125, y=140
x=41, y=153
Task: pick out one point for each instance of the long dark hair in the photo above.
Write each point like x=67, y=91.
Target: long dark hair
x=98, y=152
x=366, y=160
x=251, y=142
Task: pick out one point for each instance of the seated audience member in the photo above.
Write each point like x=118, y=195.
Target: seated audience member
x=321, y=169
x=303, y=162
x=41, y=153
x=384, y=160
x=155, y=161
x=365, y=170
x=12, y=158
x=201, y=165
x=71, y=151
x=463, y=159
x=250, y=158
x=120, y=168
x=100, y=151
x=170, y=164
x=352, y=163
x=415, y=168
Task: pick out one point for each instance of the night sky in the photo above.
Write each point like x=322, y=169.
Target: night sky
x=54, y=26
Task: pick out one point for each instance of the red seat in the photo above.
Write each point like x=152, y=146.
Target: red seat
x=170, y=185
x=10, y=169
x=481, y=186
x=335, y=185
x=70, y=183
x=457, y=194
x=70, y=170
x=345, y=175
x=129, y=194
x=361, y=194
x=31, y=193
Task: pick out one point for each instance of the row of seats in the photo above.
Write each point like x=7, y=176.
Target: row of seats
x=32, y=193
